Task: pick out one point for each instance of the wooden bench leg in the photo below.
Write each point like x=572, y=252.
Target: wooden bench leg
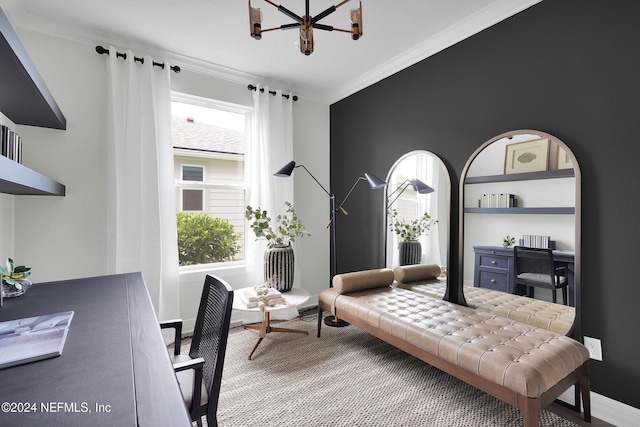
x=319, y=320
x=586, y=397
x=531, y=413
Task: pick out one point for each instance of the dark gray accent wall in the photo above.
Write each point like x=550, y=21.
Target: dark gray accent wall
x=567, y=67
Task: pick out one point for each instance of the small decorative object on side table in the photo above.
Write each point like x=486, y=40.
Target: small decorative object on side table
x=14, y=279
x=246, y=302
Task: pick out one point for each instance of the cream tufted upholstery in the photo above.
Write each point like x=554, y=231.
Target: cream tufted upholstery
x=519, y=363
x=542, y=314
x=518, y=356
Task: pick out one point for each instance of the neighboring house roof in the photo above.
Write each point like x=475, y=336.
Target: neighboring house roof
x=192, y=135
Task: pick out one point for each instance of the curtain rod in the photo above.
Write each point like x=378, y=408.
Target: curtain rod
x=272, y=92
x=101, y=50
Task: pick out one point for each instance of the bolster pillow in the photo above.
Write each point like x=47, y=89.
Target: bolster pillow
x=413, y=273
x=360, y=280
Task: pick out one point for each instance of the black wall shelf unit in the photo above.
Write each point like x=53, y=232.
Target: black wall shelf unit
x=531, y=211
x=20, y=180
x=25, y=100
x=529, y=176
x=550, y=174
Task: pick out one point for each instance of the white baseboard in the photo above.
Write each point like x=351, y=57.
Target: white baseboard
x=607, y=409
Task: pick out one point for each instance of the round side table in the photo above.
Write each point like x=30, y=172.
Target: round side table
x=293, y=298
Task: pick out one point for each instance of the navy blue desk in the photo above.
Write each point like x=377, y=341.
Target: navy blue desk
x=114, y=369
x=494, y=268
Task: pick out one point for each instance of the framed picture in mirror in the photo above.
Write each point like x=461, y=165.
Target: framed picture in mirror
x=563, y=160
x=527, y=156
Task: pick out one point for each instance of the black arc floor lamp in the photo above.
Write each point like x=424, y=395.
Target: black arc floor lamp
x=373, y=181
x=417, y=185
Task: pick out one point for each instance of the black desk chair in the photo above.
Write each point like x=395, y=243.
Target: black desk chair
x=200, y=373
x=535, y=267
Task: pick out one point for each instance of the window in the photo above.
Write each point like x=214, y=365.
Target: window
x=192, y=200
x=192, y=173
x=209, y=140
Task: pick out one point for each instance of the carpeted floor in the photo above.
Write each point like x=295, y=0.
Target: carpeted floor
x=347, y=378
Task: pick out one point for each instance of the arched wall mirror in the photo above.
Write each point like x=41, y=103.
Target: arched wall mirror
x=418, y=183
x=524, y=185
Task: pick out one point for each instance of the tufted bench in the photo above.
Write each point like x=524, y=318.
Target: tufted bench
x=523, y=365
x=542, y=314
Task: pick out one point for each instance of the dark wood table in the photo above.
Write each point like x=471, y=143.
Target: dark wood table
x=114, y=370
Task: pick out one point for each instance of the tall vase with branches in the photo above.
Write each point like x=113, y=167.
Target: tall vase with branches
x=279, y=256
x=409, y=231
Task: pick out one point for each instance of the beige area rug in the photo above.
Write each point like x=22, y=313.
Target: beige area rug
x=347, y=378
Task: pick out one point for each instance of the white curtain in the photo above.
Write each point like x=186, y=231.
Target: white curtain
x=429, y=168
x=271, y=147
x=141, y=219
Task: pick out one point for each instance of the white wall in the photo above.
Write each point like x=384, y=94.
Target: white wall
x=6, y=226
x=311, y=149
x=64, y=237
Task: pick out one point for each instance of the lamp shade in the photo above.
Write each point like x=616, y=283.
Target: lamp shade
x=374, y=182
x=421, y=187
x=287, y=169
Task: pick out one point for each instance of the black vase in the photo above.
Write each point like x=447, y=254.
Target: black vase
x=278, y=268
x=410, y=252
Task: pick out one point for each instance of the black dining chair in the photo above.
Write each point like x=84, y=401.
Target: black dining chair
x=200, y=372
x=534, y=267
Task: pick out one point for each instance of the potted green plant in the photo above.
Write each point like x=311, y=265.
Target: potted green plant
x=288, y=226
x=14, y=279
x=508, y=241
x=409, y=231
x=279, y=257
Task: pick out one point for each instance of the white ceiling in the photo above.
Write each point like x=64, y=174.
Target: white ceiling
x=213, y=36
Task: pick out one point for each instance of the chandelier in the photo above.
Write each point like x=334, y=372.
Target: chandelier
x=305, y=23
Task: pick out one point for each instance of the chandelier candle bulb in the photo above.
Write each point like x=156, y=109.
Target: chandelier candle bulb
x=255, y=22
x=356, y=23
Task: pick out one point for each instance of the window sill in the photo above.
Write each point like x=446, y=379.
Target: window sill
x=193, y=272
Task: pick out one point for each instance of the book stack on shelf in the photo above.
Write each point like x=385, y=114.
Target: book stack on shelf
x=498, y=200
x=11, y=144
x=537, y=241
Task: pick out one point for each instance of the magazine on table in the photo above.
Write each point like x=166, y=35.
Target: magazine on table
x=33, y=338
